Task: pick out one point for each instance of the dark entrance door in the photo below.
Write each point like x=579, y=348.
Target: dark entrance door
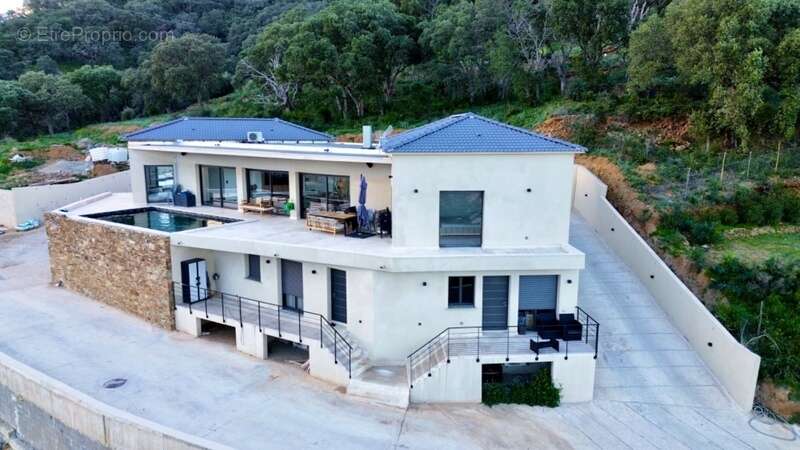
x=495, y=302
x=292, y=284
x=339, y=295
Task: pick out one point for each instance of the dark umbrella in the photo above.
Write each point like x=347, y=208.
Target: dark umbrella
x=363, y=217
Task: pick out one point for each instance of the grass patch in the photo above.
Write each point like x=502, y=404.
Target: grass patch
x=785, y=246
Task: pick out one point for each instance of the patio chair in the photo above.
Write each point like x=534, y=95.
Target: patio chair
x=546, y=325
x=572, y=328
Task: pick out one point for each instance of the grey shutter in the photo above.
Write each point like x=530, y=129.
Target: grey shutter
x=339, y=295
x=292, y=278
x=495, y=302
x=538, y=292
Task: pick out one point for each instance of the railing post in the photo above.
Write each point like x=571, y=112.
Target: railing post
x=222, y=298
x=172, y=293
x=349, y=361
x=335, y=347
x=409, y=372
x=205, y=306
x=566, y=354
x=299, y=328
x=596, y=338
x=320, y=331
x=258, y=307
x=241, y=322
x=430, y=359
x=478, y=358
x=508, y=341
x=448, y=346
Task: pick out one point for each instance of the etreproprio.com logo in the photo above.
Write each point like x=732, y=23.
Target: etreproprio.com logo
x=80, y=34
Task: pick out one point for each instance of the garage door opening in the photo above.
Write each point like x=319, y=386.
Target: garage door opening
x=282, y=350
x=217, y=332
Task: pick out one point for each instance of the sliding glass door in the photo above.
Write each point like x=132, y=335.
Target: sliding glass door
x=218, y=186
x=323, y=193
x=271, y=185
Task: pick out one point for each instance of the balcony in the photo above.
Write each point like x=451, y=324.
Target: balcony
x=512, y=344
x=284, y=237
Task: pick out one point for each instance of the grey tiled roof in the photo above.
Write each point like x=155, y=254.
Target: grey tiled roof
x=226, y=129
x=471, y=133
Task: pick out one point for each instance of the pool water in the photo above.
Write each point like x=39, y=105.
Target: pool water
x=161, y=220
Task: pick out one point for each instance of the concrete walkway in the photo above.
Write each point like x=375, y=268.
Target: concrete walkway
x=207, y=388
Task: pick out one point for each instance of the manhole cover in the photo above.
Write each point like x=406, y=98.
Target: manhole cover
x=114, y=383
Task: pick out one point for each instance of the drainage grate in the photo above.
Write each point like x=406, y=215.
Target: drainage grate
x=114, y=383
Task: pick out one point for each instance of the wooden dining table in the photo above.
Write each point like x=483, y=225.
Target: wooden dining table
x=347, y=219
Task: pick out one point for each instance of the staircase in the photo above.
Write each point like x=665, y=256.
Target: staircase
x=386, y=385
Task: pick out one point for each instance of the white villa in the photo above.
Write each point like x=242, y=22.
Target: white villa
x=410, y=268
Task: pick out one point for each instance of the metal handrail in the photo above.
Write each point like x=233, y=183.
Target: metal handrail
x=340, y=344
x=423, y=359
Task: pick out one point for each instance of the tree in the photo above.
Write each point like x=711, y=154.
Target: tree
x=591, y=25
x=350, y=52
x=264, y=63
x=188, y=68
x=56, y=100
x=15, y=104
x=103, y=86
x=457, y=36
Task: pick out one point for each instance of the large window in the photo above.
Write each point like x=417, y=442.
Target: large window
x=159, y=183
x=218, y=186
x=324, y=193
x=460, y=218
x=268, y=184
x=460, y=292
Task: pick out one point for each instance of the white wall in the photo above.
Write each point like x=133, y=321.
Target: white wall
x=461, y=380
x=187, y=166
x=734, y=365
x=8, y=216
x=390, y=314
x=512, y=217
x=20, y=204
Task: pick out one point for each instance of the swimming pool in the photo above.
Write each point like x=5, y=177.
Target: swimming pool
x=160, y=219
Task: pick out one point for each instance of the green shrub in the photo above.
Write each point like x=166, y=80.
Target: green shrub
x=762, y=306
x=791, y=208
x=727, y=216
x=773, y=209
x=700, y=230
x=703, y=233
x=540, y=391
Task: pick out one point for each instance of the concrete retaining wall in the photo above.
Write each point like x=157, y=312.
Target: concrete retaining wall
x=48, y=414
x=20, y=204
x=125, y=267
x=734, y=365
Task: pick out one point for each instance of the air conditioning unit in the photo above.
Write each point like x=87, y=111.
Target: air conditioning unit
x=255, y=136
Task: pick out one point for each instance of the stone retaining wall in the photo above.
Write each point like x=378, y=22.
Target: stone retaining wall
x=120, y=266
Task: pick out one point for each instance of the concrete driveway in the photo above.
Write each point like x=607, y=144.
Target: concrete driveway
x=652, y=391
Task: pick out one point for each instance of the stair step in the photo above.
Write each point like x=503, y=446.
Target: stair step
x=385, y=385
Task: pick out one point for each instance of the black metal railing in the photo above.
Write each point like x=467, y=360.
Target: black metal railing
x=477, y=341
x=290, y=324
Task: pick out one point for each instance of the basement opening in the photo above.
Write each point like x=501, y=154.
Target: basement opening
x=218, y=332
x=282, y=350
